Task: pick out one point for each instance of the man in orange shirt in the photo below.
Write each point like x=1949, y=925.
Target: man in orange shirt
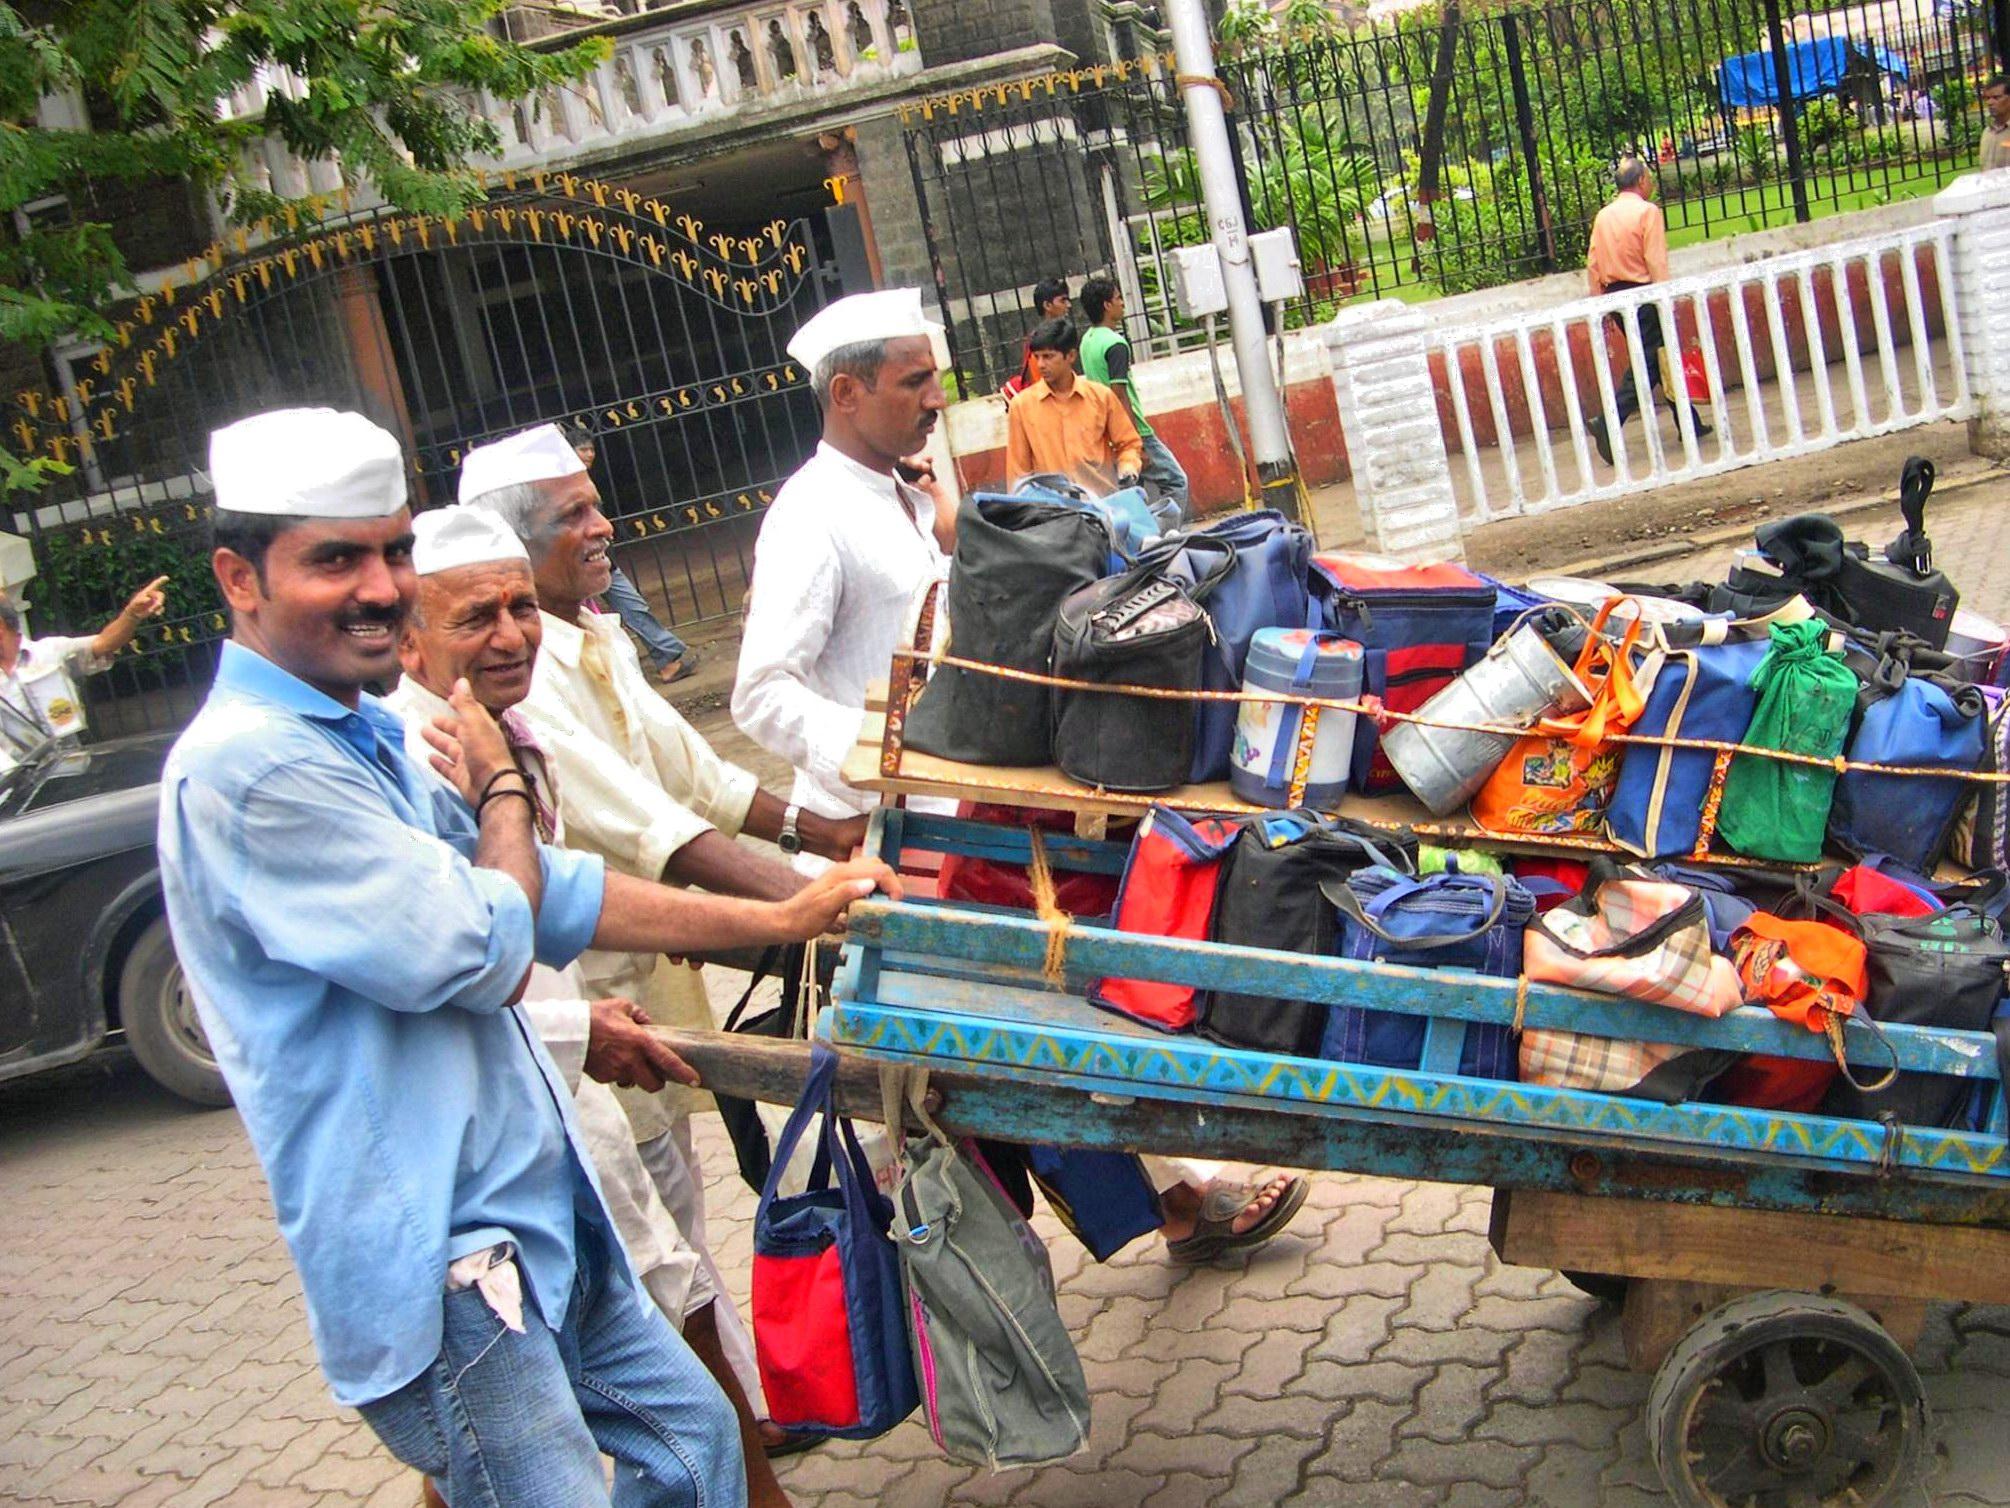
x=1067, y=424
x=1629, y=249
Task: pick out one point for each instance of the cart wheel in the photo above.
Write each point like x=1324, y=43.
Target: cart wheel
x=1785, y=1400
x=1606, y=1287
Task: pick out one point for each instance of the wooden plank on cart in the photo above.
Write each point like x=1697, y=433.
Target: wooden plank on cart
x=1745, y=1248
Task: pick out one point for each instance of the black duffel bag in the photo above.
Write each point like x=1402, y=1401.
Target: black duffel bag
x=1016, y=560
x=1269, y=898
x=1143, y=628
x=1946, y=969
x=1903, y=590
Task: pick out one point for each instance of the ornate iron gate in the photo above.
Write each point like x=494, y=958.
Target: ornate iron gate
x=559, y=299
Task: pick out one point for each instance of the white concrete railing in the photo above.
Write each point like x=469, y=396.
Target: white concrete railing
x=1525, y=390
x=658, y=79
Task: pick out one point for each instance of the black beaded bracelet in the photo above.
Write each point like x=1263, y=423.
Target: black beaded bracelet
x=521, y=795
x=489, y=785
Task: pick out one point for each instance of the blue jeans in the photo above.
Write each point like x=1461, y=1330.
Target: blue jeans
x=503, y=1420
x=664, y=647
x=1163, y=471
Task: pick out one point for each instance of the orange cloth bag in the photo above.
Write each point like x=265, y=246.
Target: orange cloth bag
x=1560, y=777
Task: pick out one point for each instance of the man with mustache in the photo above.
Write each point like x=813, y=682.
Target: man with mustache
x=356, y=937
x=847, y=543
x=644, y=790
x=475, y=619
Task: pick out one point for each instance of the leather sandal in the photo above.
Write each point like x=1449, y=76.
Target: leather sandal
x=1214, y=1232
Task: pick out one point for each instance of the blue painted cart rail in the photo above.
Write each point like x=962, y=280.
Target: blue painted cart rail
x=962, y=988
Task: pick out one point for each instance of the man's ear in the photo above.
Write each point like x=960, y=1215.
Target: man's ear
x=237, y=578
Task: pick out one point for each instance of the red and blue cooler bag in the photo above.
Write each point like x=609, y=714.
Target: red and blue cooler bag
x=830, y=1327
x=1168, y=890
x=1418, y=627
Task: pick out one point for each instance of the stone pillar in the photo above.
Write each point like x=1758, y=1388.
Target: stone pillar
x=960, y=31
x=1389, y=416
x=1979, y=206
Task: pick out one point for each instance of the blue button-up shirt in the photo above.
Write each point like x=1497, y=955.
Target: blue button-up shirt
x=352, y=969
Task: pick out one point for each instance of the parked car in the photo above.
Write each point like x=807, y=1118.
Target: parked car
x=88, y=961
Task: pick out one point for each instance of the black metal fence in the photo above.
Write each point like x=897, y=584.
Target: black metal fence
x=1752, y=113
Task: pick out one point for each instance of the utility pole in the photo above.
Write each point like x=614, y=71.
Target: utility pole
x=1214, y=154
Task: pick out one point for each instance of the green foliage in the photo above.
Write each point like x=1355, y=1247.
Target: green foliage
x=93, y=579
x=1305, y=180
x=1958, y=113
x=1493, y=237
x=1245, y=26
x=382, y=95
x=1758, y=153
x=1824, y=122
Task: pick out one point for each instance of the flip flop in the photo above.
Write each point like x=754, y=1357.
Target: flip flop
x=1214, y=1232
x=678, y=668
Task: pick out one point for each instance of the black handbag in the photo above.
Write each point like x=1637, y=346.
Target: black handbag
x=1903, y=590
x=1143, y=628
x=1269, y=897
x=1016, y=560
x=1946, y=969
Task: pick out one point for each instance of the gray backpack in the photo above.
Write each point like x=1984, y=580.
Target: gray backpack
x=1001, y=1385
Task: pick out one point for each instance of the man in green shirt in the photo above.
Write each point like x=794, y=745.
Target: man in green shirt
x=1106, y=358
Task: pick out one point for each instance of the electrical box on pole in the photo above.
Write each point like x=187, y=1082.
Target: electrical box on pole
x=1279, y=276
x=1197, y=286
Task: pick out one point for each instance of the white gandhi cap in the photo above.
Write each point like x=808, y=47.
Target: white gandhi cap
x=532, y=455
x=890, y=314
x=307, y=463
x=446, y=538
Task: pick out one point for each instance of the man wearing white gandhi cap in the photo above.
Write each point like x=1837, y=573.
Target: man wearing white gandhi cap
x=476, y=619
x=844, y=550
x=355, y=935
x=644, y=790
x=848, y=542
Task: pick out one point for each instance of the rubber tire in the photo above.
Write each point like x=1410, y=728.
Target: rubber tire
x=1750, y=1320
x=146, y=983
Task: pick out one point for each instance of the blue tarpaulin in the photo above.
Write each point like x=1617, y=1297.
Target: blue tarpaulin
x=1748, y=82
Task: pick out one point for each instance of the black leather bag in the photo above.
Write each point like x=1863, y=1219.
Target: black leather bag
x=1269, y=898
x=1946, y=969
x=1142, y=628
x=1902, y=590
x=1016, y=560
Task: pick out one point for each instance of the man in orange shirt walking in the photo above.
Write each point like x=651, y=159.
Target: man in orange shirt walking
x=1629, y=249
x=1067, y=424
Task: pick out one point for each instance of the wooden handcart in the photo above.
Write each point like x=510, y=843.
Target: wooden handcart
x=1773, y=1268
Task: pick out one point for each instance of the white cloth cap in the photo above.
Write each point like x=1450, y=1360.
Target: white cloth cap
x=307, y=462
x=444, y=538
x=890, y=314
x=532, y=455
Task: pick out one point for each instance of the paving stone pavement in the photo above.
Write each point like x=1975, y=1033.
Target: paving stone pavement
x=154, y=1351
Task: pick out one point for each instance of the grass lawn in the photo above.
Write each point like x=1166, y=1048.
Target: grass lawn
x=1733, y=213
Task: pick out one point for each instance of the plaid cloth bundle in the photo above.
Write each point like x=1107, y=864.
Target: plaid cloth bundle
x=1643, y=938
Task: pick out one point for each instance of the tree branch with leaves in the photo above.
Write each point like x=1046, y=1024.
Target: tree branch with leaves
x=381, y=87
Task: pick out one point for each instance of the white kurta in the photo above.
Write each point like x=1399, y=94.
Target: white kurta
x=836, y=570
x=640, y=783
x=557, y=1003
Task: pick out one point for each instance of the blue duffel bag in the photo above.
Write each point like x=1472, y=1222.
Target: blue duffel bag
x=1702, y=691
x=1266, y=588
x=1910, y=721
x=1451, y=920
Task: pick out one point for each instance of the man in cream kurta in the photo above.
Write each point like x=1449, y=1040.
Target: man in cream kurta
x=644, y=790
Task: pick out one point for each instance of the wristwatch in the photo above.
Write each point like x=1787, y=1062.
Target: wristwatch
x=789, y=840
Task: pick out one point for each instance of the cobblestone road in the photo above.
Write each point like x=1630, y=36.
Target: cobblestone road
x=153, y=1349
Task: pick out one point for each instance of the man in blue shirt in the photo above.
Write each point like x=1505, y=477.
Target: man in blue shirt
x=356, y=937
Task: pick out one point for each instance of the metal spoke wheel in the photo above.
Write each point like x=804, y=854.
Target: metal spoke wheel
x=1786, y=1400
x=162, y=1029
